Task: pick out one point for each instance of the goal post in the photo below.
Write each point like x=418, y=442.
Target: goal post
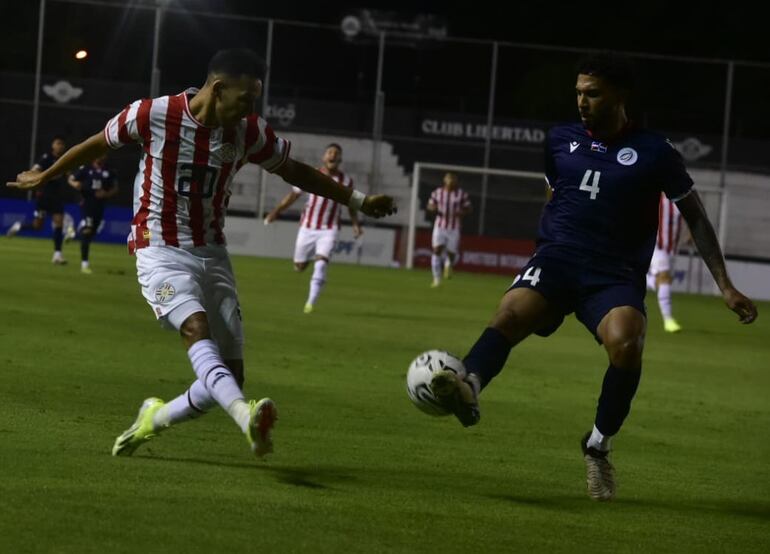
x=506, y=204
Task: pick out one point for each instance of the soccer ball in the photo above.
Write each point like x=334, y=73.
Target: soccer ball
x=420, y=373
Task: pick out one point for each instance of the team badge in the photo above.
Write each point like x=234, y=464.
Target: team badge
x=627, y=156
x=227, y=152
x=164, y=293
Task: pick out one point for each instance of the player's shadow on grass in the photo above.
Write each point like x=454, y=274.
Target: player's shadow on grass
x=753, y=509
x=314, y=477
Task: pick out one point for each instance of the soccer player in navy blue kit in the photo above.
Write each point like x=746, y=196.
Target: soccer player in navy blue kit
x=96, y=182
x=50, y=200
x=596, y=238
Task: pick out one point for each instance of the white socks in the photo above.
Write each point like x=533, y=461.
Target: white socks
x=317, y=280
x=437, y=264
x=664, y=300
x=191, y=404
x=598, y=441
x=218, y=380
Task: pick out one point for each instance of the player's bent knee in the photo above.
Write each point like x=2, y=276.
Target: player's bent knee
x=195, y=328
x=300, y=266
x=626, y=352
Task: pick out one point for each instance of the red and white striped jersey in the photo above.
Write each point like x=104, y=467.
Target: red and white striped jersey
x=183, y=184
x=320, y=212
x=669, y=225
x=449, y=205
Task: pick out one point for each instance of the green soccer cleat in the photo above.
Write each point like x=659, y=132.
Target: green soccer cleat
x=308, y=309
x=263, y=415
x=141, y=431
x=671, y=326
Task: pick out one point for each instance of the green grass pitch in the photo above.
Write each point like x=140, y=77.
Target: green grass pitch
x=357, y=468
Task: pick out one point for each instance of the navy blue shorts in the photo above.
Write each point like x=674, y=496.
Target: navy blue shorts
x=49, y=203
x=574, y=285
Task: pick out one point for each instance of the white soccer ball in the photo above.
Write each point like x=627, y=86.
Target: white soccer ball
x=421, y=372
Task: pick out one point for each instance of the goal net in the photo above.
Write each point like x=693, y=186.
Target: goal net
x=498, y=236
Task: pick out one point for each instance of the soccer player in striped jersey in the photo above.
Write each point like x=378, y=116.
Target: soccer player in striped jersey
x=192, y=144
x=319, y=225
x=659, y=277
x=450, y=204
x=596, y=237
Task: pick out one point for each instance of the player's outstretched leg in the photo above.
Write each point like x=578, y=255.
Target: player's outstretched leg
x=141, y=431
x=600, y=474
x=435, y=264
x=317, y=281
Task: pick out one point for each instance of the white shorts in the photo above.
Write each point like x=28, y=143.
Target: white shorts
x=448, y=238
x=661, y=261
x=320, y=241
x=178, y=283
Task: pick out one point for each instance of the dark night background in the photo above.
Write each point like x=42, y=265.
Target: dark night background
x=331, y=81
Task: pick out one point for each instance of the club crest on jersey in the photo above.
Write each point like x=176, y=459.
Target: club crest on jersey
x=573, y=146
x=164, y=293
x=227, y=152
x=627, y=156
x=598, y=147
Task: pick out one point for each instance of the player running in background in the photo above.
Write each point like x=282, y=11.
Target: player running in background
x=96, y=183
x=450, y=204
x=595, y=241
x=660, y=275
x=50, y=200
x=319, y=225
x=192, y=145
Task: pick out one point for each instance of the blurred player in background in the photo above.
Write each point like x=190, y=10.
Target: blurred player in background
x=449, y=204
x=596, y=238
x=96, y=183
x=319, y=225
x=192, y=145
x=660, y=275
x=50, y=200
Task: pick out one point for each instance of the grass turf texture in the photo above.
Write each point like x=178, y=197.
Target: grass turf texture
x=357, y=467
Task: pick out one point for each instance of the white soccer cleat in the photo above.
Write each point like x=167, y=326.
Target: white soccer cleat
x=262, y=418
x=58, y=259
x=13, y=229
x=600, y=474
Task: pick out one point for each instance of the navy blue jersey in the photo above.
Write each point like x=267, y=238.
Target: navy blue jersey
x=54, y=186
x=93, y=179
x=604, y=208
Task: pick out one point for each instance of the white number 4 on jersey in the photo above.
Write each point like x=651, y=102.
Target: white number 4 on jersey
x=593, y=188
x=532, y=275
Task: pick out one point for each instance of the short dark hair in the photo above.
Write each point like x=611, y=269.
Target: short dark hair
x=616, y=69
x=333, y=145
x=58, y=137
x=236, y=62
